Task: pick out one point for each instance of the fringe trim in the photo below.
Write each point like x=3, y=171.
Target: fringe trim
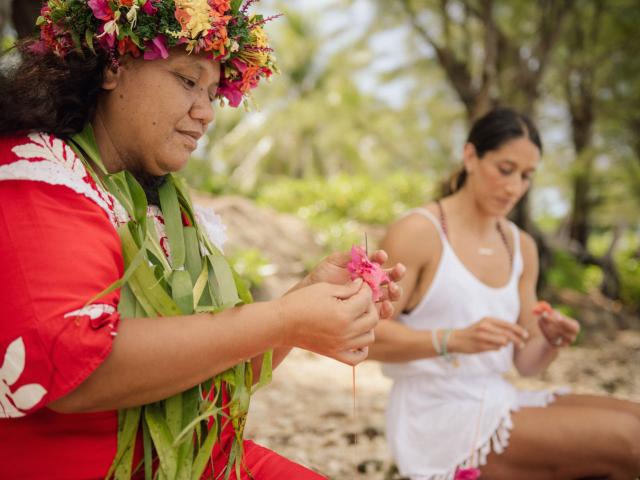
x=497, y=443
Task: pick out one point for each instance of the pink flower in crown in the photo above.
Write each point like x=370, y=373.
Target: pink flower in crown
x=157, y=48
x=101, y=9
x=467, y=474
x=232, y=92
x=370, y=272
x=149, y=8
x=107, y=39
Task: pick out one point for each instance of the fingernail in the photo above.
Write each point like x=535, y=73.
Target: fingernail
x=525, y=334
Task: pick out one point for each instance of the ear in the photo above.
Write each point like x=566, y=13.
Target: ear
x=469, y=157
x=113, y=76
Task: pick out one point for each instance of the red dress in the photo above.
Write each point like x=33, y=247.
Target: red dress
x=58, y=249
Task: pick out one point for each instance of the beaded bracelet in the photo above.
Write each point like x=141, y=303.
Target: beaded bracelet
x=436, y=343
x=445, y=339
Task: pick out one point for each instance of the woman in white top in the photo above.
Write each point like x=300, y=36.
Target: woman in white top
x=467, y=318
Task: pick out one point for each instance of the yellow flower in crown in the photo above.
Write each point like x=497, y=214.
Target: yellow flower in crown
x=150, y=28
x=195, y=16
x=259, y=54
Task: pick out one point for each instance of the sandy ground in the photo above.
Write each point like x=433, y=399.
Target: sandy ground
x=307, y=412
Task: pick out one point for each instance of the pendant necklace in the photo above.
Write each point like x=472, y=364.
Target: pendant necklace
x=484, y=251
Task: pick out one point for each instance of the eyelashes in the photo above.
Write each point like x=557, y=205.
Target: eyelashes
x=191, y=84
x=506, y=173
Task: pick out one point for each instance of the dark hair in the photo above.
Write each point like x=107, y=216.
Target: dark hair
x=492, y=131
x=43, y=92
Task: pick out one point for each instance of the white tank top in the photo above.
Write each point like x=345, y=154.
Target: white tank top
x=440, y=416
x=457, y=299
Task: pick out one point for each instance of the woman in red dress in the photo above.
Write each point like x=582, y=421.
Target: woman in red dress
x=142, y=74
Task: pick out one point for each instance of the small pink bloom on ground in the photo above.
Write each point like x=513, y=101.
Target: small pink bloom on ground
x=370, y=272
x=467, y=474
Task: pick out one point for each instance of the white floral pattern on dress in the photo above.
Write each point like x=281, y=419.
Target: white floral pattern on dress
x=50, y=160
x=213, y=226
x=13, y=405
x=98, y=314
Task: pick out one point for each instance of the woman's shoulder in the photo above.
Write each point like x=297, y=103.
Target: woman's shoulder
x=46, y=160
x=415, y=234
x=417, y=221
x=33, y=146
x=528, y=246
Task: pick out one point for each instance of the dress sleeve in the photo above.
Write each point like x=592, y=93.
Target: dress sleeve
x=58, y=250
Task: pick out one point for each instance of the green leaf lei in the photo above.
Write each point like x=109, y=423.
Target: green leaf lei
x=198, y=279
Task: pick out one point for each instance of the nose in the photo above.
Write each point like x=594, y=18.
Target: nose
x=516, y=186
x=202, y=109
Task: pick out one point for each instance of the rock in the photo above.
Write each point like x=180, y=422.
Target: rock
x=284, y=240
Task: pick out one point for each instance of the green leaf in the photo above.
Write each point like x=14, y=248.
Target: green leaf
x=172, y=222
x=148, y=452
x=266, y=370
x=144, y=284
x=162, y=439
x=88, y=38
x=128, y=421
x=204, y=452
x=182, y=290
x=173, y=413
x=223, y=281
x=86, y=141
x=193, y=260
x=138, y=199
x=199, y=288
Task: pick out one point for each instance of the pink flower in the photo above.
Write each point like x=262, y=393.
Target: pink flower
x=149, y=8
x=101, y=9
x=370, y=272
x=157, y=48
x=106, y=39
x=467, y=474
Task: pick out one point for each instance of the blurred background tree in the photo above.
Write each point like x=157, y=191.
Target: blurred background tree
x=370, y=111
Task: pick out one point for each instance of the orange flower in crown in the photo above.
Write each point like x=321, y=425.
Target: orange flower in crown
x=149, y=28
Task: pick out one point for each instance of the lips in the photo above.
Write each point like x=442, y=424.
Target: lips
x=191, y=138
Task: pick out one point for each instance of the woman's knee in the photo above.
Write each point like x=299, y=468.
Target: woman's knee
x=630, y=445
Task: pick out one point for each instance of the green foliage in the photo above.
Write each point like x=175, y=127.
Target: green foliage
x=566, y=272
x=337, y=207
x=251, y=265
x=629, y=267
x=6, y=43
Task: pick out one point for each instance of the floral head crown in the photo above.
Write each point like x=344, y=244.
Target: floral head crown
x=149, y=28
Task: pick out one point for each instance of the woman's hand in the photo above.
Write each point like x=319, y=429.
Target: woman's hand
x=333, y=320
x=488, y=334
x=559, y=330
x=333, y=269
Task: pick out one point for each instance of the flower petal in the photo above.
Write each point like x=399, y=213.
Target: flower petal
x=7, y=410
x=28, y=396
x=13, y=364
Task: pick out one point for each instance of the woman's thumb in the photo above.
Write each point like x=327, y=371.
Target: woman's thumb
x=348, y=290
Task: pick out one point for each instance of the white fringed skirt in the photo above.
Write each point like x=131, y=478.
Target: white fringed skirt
x=436, y=424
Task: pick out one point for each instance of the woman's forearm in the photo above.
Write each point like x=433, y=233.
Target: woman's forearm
x=155, y=358
x=535, y=357
x=396, y=342
x=279, y=354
